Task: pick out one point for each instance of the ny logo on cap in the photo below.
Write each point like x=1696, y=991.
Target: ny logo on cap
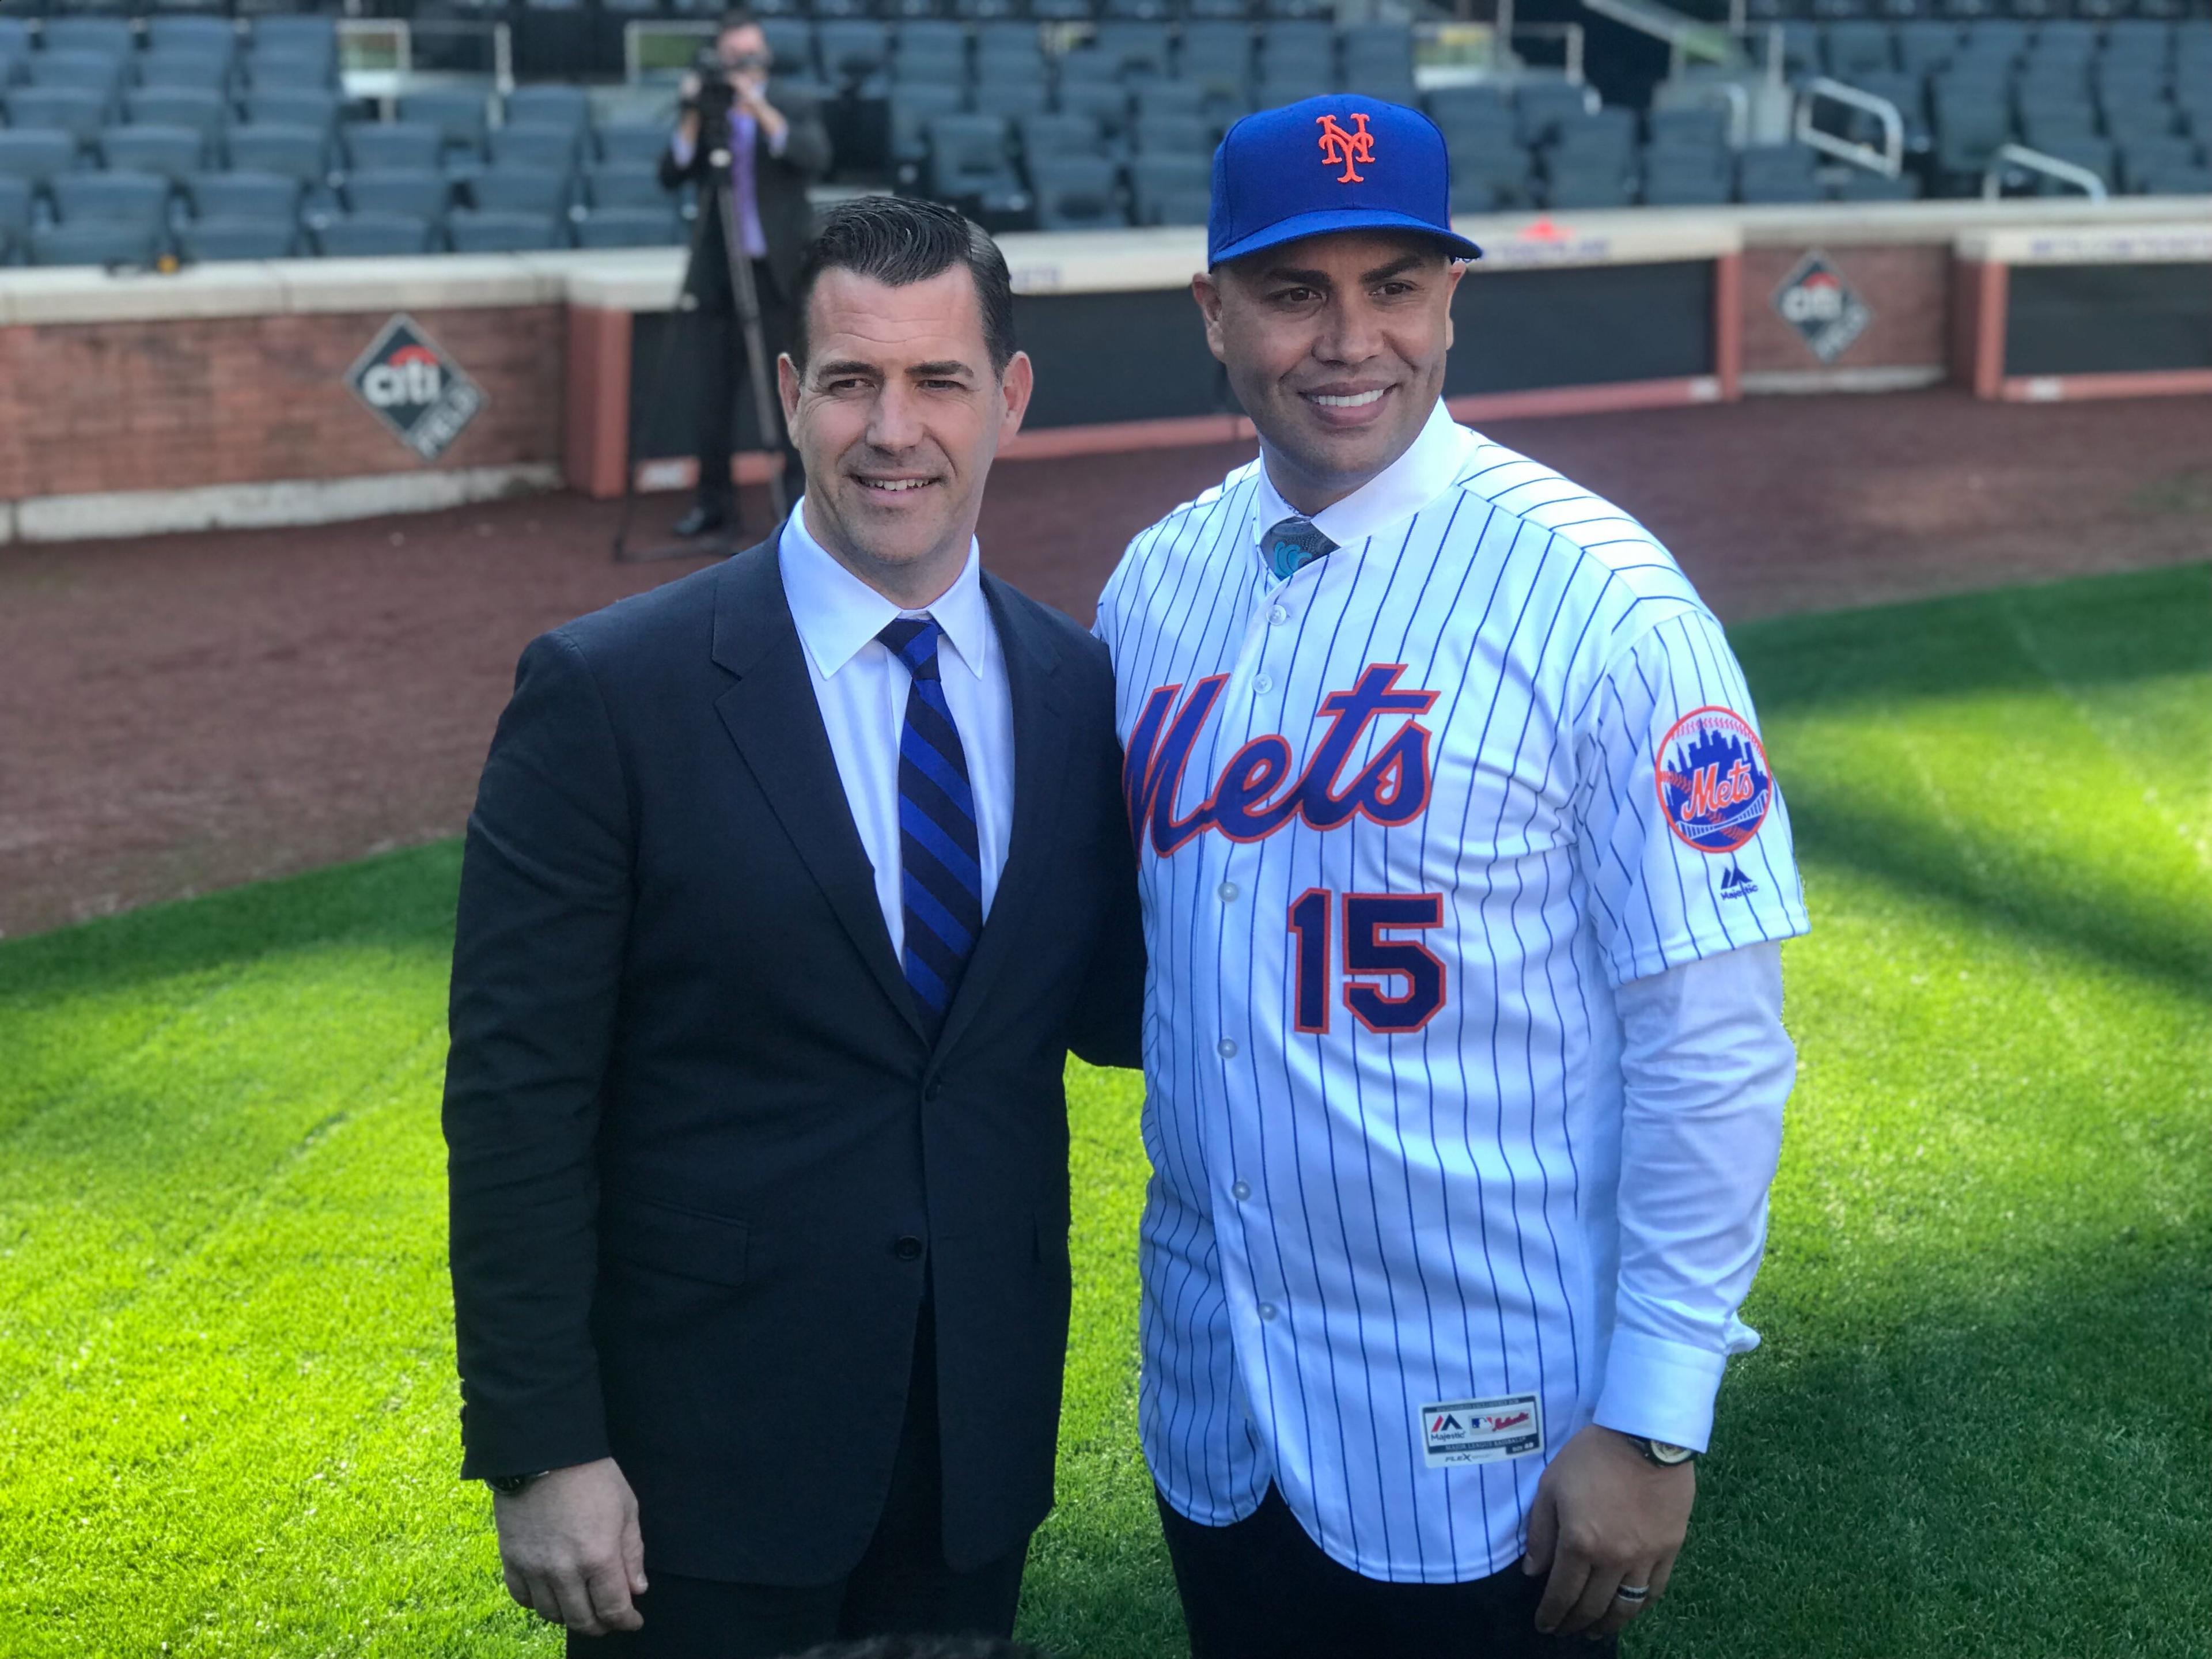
x=1345, y=149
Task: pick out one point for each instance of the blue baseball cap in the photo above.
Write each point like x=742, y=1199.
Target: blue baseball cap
x=1322, y=164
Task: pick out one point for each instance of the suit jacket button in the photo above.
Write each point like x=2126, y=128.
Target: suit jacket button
x=933, y=1089
x=908, y=1249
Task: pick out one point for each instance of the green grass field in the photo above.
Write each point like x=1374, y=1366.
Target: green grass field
x=1978, y=1425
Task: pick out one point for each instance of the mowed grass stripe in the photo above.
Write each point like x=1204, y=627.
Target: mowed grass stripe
x=1976, y=1427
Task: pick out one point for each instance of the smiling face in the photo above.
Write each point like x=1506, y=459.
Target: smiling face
x=1335, y=346
x=898, y=415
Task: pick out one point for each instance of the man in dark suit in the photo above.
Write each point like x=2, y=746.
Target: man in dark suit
x=777, y=147
x=789, y=886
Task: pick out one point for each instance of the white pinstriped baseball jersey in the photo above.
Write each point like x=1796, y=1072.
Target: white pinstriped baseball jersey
x=1406, y=822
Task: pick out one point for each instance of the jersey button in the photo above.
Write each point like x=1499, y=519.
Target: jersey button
x=1228, y=892
x=1227, y=1047
x=1240, y=1191
x=1267, y=1311
x=1277, y=616
x=1263, y=684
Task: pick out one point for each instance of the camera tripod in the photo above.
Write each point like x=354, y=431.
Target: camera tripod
x=744, y=299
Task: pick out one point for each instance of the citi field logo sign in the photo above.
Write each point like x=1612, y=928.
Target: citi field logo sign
x=414, y=389
x=1825, y=310
x=1342, y=149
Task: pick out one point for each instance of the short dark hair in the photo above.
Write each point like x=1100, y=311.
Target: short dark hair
x=896, y=240
x=738, y=17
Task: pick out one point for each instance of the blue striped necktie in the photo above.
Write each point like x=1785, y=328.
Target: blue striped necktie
x=941, y=871
x=1294, y=543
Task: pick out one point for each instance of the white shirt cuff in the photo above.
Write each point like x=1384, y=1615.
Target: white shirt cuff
x=681, y=148
x=1661, y=1389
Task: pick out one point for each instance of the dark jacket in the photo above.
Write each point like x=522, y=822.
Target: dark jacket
x=780, y=185
x=700, y=1154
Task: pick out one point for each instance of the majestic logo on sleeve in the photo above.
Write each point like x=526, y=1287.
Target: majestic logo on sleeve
x=1713, y=782
x=1255, y=795
x=1340, y=148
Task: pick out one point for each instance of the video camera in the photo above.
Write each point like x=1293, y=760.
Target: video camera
x=718, y=85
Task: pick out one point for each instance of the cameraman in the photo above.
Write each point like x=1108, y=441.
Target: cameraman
x=775, y=151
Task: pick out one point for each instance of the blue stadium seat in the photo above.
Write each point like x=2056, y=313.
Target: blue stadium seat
x=1540, y=105
x=74, y=110
x=633, y=141
x=1686, y=178
x=1489, y=173
x=1171, y=135
x=387, y=144
x=174, y=153
x=625, y=184
x=203, y=112
x=462, y=117
x=1169, y=98
x=239, y=239
x=546, y=106
x=14, y=212
x=538, y=192
x=418, y=192
x=475, y=231
x=1861, y=46
x=1860, y=185
x=240, y=195
x=309, y=35
x=970, y=160
x=1010, y=100
x=1925, y=44
x=202, y=37
x=1586, y=185
x=1603, y=138
x=911, y=110
x=790, y=42
x=281, y=69
x=1076, y=192
x=94, y=242
x=1287, y=83
x=37, y=156
x=1695, y=130
x=1105, y=102
x=200, y=70
x=2085, y=150
x=1777, y=172
x=853, y=51
x=302, y=106
x=1050, y=137
x=364, y=235
x=1084, y=66
x=301, y=153
x=1135, y=48
x=1171, y=189
x=133, y=199
x=528, y=145
x=630, y=227
x=104, y=37
x=88, y=71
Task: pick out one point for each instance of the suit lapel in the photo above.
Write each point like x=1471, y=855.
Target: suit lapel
x=1040, y=752
x=774, y=719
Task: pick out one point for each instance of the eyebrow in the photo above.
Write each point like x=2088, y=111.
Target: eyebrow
x=1403, y=263
x=943, y=371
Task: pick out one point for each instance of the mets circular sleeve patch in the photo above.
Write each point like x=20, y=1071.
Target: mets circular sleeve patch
x=1714, y=785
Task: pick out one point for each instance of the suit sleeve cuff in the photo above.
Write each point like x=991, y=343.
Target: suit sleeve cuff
x=552, y=1434
x=1660, y=1389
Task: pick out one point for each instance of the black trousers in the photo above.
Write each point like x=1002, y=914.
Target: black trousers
x=1261, y=1589
x=900, y=1587
x=720, y=343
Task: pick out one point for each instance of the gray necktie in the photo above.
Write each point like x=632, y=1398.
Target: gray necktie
x=1293, y=544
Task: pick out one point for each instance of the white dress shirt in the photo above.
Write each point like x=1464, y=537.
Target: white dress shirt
x=861, y=688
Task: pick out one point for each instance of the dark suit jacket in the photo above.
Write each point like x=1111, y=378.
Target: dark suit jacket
x=780, y=185
x=696, y=1133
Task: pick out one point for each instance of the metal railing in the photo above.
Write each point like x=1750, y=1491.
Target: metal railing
x=1686, y=38
x=378, y=57
x=2034, y=160
x=1888, y=160
x=1570, y=34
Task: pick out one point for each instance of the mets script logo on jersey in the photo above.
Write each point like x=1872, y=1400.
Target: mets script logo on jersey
x=1244, y=804
x=1713, y=782
x=1340, y=148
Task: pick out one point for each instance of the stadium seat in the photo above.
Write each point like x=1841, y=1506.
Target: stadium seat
x=174, y=153
x=1451, y=107
x=969, y=159
x=1010, y=100
x=535, y=192
x=1104, y=102
x=461, y=117
x=87, y=71
x=239, y=195
x=911, y=109
x=180, y=69
x=303, y=107
x=1777, y=172
x=495, y=231
x=102, y=37
x=1290, y=83
x=1168, y=98
x=1171, y=189
x=2086, y=151
x=1601, y=138
x=1170, y=135
x=1076, y=192
x=1971, y=122
x=633, y=141
x=1686, y=178
x=530, y=145
x=419, y=192
x=372, y=235
x=1134, y=49
x=387, y=144
x=1860, y=185
x=1083, y=64
x=36, y=157
x=625, y=184
x=286, y=67
x=208, y=37
x=1697, y=130
x=205, y=113
x=1573, y=182
x=630, y=227
x=239, y=239
x=853, y=51
x=14, y=209
x=70, y=110
x=1217, y=56
x=94, y=242
x=1862, y=46
x=1925, y=44
x=544, y=108
x=1540, y=105
x=134, y=198
x=301, y=153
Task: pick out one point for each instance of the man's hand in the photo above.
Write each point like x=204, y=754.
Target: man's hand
x=1605, y=1516
x=569, y=1546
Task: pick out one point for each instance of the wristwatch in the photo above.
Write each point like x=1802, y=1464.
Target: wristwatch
x=1660, y=1452
x=510, y=1486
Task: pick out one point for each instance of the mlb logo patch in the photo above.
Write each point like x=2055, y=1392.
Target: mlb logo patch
x=1455, y=1431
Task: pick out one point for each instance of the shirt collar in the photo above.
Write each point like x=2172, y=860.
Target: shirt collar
x=837, y=614
x=1409, y=483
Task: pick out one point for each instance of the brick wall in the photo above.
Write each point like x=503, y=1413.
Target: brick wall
x=182, y=402
x=1908, y=290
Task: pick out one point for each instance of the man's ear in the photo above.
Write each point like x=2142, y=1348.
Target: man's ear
x=1207, y=293
x=787, y=386
x=1015, y=387
x=1451, y=288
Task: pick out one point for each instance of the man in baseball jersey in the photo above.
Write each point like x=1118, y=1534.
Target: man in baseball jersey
x=1464, y=875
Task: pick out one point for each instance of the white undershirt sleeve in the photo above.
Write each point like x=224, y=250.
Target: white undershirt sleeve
x=1706, y=1067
